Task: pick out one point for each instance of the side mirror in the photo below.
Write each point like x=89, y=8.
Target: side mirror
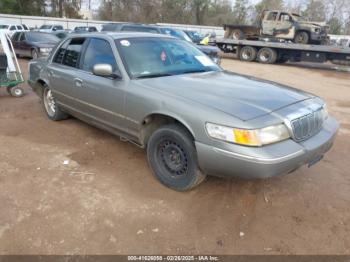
x=105, y=70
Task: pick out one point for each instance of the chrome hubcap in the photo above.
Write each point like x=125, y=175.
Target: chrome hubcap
x=49, y=102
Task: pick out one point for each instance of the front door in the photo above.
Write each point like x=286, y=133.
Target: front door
x=269, y=23
x=285, y=26
x=101, y=98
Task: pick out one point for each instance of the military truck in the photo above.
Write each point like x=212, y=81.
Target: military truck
x=283, y=25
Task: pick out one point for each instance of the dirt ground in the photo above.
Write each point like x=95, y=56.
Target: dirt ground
x=106, y=201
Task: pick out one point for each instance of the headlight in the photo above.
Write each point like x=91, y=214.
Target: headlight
x=45, y=50
x=252, y=137
x=317, y=30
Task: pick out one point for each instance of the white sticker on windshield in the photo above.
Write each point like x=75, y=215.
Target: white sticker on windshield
x=205, y=61
x=125, y=43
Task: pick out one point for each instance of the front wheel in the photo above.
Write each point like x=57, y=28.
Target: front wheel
x=51, y=108
x=302, y=38
x=173, y=158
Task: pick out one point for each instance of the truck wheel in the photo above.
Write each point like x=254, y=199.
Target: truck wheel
x=302, y=38
x=238, y=34
x=248, y=54
x=267, y=55
x=51, y=108
x=172, y=156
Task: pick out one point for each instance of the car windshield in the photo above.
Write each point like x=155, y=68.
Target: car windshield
x=195, y=35
x=4, y=26
x=45, y=26
x=42, y=37
x=147, y=57
x=176, y=33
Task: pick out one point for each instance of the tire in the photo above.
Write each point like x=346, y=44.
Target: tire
x=302, y=38
x=15, y=91
x=267, y=55
x=248, y=54
x=34, y=54
x=51, y=108
x=238, y=34
x=172, y=156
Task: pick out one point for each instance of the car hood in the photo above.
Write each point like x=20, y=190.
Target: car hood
x=320, y=24
x=241, y=96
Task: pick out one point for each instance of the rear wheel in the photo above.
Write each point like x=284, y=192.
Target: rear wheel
x=267, y=55
x=248, y=54
x=238, y=34
x=51, y=108
x=302, y=38
x=173, y=158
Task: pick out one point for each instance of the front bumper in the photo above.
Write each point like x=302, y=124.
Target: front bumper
x=268, y=161
x=318, y=36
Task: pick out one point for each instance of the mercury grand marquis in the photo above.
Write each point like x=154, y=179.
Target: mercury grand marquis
x=193, y=118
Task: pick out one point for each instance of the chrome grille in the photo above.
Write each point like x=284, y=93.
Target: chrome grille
x=308, y=125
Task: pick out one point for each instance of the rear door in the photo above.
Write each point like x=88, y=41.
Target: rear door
x=15, y=42
x=24, y=46
x=63, y=72
x=101, y=98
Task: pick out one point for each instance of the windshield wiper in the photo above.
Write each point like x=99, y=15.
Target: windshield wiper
x=195, y=71
x=153, y=75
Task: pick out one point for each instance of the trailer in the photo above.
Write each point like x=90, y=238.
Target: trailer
x=269, y=52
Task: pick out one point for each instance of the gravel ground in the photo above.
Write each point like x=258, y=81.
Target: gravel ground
x=106, y=201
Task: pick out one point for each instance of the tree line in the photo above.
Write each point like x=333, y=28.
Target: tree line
x=200, y=12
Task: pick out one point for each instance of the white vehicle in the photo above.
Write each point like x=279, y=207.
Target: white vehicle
x=51, y=28
x=10, y=29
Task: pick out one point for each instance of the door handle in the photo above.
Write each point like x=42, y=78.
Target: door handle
x=78, y=82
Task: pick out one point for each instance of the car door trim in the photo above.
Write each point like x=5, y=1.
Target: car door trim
x=96, y=107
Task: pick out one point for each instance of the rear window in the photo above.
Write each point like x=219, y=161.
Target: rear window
x=19, y=27
x=73, y=52
x=4, y=26
x=25, y=27
x=110, y=27
x=45, y=26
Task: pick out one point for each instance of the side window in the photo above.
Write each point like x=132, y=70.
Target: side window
x=72, y=54
x=272, y=16
x=98, y=51
x=25, y=27
x=285, y=17
x=13, y=28
x=60, y=53
x=19, y=27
